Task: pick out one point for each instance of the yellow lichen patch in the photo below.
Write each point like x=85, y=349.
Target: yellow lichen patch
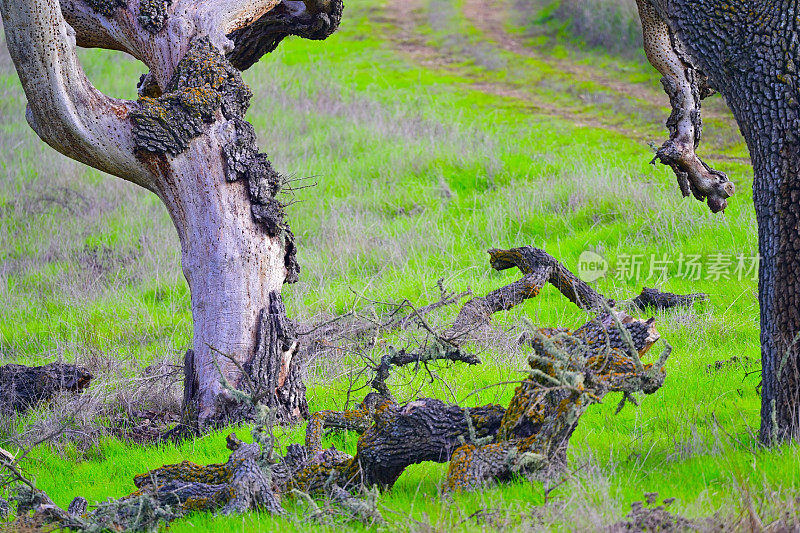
x=358, y=419
x=216, y=474
x=313, y=478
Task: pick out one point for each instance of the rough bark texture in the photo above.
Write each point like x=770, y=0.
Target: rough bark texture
x=278, y=386
x=539, y=268
x=528, y=259
x=401, y=435
x=23, y=387
x=185, y=139
x=569, y=372
x=750, y=53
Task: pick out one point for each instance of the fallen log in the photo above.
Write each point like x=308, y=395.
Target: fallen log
x=569, y=372
x=659, y=301
x=23, y=387
x=361, y=418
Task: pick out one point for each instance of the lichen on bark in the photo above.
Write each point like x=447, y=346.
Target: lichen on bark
x=203, y=84
x=153, y=14
x=244, y=161
x=107, y=8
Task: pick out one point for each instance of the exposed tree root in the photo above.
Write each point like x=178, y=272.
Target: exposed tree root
x=569, y=371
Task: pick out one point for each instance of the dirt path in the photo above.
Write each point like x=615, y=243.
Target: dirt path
x=405, y=16
x=488, y=17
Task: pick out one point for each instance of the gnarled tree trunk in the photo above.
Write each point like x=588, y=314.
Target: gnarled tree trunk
x=186, y=140
x=750, y=53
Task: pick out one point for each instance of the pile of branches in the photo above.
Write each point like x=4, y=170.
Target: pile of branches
x=569, y=371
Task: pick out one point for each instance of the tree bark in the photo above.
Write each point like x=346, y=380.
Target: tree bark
x=231, y=265
x=750, y=53
x=237, y=251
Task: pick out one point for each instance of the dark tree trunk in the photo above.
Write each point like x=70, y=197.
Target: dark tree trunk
x=750, y=52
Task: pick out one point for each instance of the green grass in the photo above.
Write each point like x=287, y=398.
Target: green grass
x=420, y=167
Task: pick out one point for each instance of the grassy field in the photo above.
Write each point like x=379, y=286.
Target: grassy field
x=433, y=130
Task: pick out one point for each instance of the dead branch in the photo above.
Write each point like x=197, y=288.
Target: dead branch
x=436, y=351
x=538, y=268
x=686, y=87
x=311, y=19
x=568, y=372
x=659, y=301
x=528, y=259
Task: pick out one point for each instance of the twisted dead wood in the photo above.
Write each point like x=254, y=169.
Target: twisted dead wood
x=538, y=268
x=569, y=372
x=686, y=87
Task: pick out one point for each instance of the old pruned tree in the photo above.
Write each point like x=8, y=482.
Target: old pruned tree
x=187, y=141
x=749, y=51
